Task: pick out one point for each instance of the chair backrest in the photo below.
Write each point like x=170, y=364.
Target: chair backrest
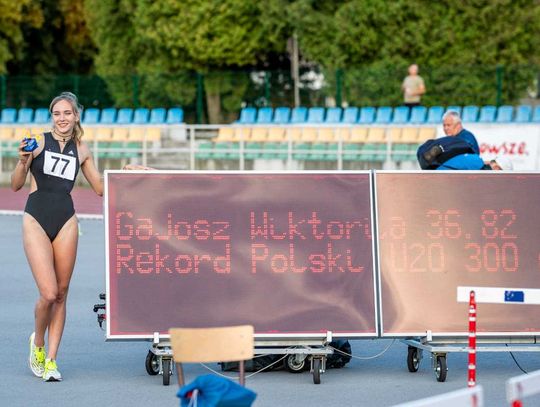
x=91, y=115
x=158, y=115
x=282, y=115
x=248, y=115
x=108, y=115
x=299, y=114
x=350, y=115
x=523, y=114
x=8, y=115
x=418, y=115
x=384, y=114
x=367, y=115
x=435, y=114
x=454, y=108
x=175, y=115
x=264, y=115
x=25, y=115
x=333, y=115
x=470, y=114
x=125, y=115
x=141, y=115
x=205, y=345
x=487, y=114
x=42, y=115
x=401, y=115
x=536, y=114
x=505, y=114
x=315, y=115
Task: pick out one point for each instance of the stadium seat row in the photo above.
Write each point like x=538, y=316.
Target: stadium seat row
x=109, y=142
x=357, y=134
x=386, y=114
x=159, y=115
x=315, y=143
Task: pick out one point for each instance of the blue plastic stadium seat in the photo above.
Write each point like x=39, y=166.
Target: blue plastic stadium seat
x=505, y=114
x=91, y=115
x=401, y=115
x=418, y=115
x=264, y=116
x=175, y=115
x=158, y=115
x=487, y=114
x=247, y=115
x=25, y=115
x=435, y=114
x=315, y=115
x=299, y=115
x=141, y=115
x=333, y=115
x=350, y=115
x=536, y=114
x=125, y=115
x=282, y=115
x=384, y=115
x=367, y=115
x=470, y=114
x=454, y=109
x=41, y=115
x=523, y=114
x=8, y=115
x=108, y=115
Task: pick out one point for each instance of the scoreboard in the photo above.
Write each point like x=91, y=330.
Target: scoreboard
x=290, y=253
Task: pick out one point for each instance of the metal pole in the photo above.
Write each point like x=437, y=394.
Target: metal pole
x=76, y=82
x=199, y=98
x=267, y=88
x=135, y=91
x=3, y=91
x=339, y=80
x=499, y=74
x=295, y=70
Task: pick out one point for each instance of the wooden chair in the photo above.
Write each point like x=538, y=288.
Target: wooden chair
x=205, y=345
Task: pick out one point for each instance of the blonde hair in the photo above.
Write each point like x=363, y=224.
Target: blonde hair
x=69, y=97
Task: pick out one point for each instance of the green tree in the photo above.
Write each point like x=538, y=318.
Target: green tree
x=13, y=14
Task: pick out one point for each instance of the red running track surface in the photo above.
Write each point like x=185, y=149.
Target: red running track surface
x=85, y=200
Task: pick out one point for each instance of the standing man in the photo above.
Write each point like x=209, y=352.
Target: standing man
x=413, y=87
x=452, y=126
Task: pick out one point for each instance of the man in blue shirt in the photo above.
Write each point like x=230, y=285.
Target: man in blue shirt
x=452, y=126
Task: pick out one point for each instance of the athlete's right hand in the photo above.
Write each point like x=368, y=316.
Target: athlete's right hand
x=24, y=156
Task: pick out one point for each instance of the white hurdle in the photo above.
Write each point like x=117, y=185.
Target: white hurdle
x=470, y=397
x=522, y=386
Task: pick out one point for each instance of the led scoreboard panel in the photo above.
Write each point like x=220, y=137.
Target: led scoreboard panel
x=441, y=230
x=290, y=253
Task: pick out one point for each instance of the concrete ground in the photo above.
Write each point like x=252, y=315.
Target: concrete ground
x=99, y=373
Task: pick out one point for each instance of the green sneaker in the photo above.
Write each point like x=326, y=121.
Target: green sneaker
x=36, y=360
x=51, y=373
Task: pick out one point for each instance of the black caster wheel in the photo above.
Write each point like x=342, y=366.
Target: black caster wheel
x=166, y=371
x=152, y=364
x=316, y=370
x=293, y=365
x=413, y=359
x=441, y=369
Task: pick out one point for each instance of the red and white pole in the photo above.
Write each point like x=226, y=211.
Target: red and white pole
x=472, y=340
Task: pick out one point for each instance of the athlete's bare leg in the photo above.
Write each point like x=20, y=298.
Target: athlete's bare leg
x=52, y=266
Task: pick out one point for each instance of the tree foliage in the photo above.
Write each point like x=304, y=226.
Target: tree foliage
x=13, y=16
x=153, y=52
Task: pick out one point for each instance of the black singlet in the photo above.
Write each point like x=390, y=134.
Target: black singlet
x=55, y=173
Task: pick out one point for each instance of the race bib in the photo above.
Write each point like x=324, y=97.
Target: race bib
x=60, y=165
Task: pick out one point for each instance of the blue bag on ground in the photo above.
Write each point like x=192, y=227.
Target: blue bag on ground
x=215, y=391
x=435, y=152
